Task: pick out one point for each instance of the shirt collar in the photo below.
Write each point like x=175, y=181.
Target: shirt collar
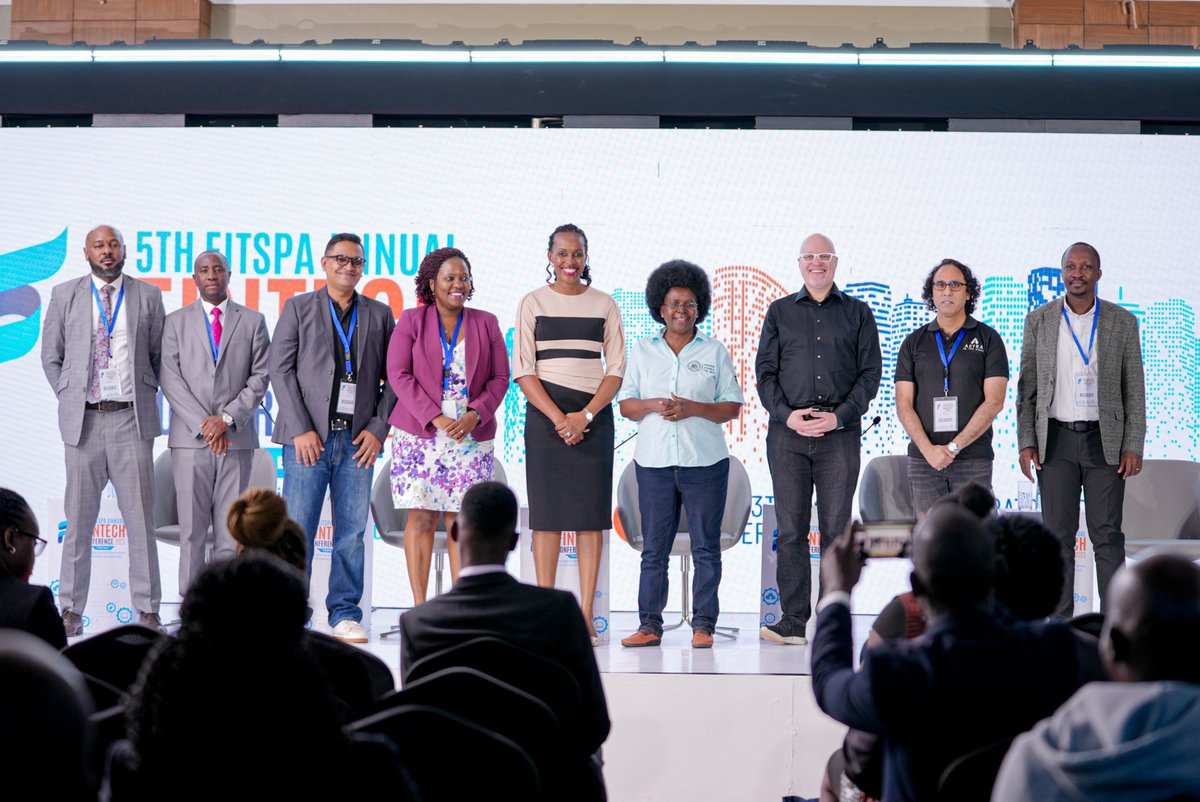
x=99, y=284
x=834, y=293
x=969, y=323
x=662, y=335
x=1088, y=313
x=340, y=311
x=223, y=306
x=480, y=570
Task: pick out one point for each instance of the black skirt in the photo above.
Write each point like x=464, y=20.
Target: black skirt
x=569, y=487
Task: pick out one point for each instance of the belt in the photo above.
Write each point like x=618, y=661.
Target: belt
x=339, y=425
x=108, y=406
x=1077, y=425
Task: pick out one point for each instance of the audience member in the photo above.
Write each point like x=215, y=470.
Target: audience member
x=1135, y=737
x=969, y=682
x=259, y=522
x=46, y=736
x=223, y=696
x=486, y=600
x=22, y=605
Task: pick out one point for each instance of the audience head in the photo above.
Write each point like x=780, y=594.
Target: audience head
x=19, y=536
x=45, y=737
x=486, y=526
x=953, y=560
x=1029, y=566
x=972, y=496
x=1152, y=626
x=258, y=521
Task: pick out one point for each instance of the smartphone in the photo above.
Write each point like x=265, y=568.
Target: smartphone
x=883, y=539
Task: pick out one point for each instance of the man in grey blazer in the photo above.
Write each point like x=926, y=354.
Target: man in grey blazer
x=100, y=352
x=214, y=374
x=328, y=367
x=1081, y=414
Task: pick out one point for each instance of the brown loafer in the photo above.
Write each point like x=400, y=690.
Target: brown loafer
x=72, y=623
x=702, y=640
x=640, y=638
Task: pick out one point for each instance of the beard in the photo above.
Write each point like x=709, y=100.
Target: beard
x=107, y=273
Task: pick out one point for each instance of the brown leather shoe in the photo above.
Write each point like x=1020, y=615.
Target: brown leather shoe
x=72, y=623
x=702, y=639
x=641, y=638
x=151, y=620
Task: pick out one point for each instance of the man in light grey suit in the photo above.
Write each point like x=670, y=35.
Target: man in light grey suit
x=100, y=352
x=1081, y=414
x=214, y=374
x=328, y=366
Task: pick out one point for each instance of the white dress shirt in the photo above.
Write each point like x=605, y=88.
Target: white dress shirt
x=208, y=312
x=1069, y=365
x=118, y=341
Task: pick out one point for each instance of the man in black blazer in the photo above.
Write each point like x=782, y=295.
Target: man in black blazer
x=969, y=682
x=328, y=367
x=486, y=600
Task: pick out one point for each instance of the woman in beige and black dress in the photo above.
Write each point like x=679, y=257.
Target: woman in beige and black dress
x=569, y=358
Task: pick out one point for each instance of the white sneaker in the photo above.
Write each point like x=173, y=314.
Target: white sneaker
x=350, y=631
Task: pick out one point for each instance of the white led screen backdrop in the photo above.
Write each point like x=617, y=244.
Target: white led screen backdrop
x=736, y=202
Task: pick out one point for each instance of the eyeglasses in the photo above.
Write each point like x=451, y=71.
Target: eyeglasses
x=347, y=261
x=675, y=306
x=823, y=258
x=953, y=286
x=39, y=545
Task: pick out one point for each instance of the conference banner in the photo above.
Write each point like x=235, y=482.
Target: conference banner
x=738, y=203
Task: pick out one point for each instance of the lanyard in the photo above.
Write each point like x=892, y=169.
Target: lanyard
x=109, y=324
x=448, y=349
x=345, y=337
x=946, y=360
x=1092, y=340
x=212, y=342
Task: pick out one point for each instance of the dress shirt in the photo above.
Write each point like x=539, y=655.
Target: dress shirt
x=1069, y=365
x=118, y=341
x=701, y=372
x=819, y=353
x=208, y=313
x=480, y=570
x=342, y=320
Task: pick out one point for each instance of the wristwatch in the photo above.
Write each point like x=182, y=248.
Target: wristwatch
x=225, y=416
x=588, y=414
x=952, y=447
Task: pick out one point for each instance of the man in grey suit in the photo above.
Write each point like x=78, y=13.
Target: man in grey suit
x=1081, y=414
x=328, y=367
x=214, y=374
x=100, y=352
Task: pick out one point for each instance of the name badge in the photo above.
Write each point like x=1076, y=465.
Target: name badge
x=110, y=382
x=450, y=408
x=1087, y=390
x=346, y=398
x=945, y=414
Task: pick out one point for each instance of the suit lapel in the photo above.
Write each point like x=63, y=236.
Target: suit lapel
x=84, y=328
x=233, y=315
x=1105, y=333
x=131, y=308
x=362, y=326
x=433, y=340
x=322, y=300
x=1048, y=340
x=474, y=343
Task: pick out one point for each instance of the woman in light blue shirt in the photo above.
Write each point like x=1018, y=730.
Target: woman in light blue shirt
x=680, y=387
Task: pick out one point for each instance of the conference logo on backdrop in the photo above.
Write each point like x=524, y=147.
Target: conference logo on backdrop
x=323, y=544
x=108, y=534
x=20, y=304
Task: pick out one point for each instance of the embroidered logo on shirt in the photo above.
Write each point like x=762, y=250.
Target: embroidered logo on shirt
x=974, y=345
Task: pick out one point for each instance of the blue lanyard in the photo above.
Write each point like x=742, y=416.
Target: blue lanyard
x=109, y=324
x=345, y=338
x=1092, y=340
x=212, y=343
x=946, y=360
x=448, y=349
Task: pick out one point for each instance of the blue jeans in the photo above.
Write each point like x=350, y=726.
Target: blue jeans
x=349, y=496
x=662, y=492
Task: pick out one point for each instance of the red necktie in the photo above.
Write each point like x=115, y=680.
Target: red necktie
x=216, y=327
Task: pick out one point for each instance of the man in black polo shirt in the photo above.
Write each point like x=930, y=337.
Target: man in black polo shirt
x=950, y=381
x=818, y=368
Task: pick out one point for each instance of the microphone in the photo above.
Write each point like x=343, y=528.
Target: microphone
x=872, y=426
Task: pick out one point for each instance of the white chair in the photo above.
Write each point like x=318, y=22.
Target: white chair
x=1160, y=509
x=733, y=525
x=263, y=473
x=884, y=493
x=391, y=523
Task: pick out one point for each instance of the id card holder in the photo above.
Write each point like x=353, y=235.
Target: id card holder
x=945, y=413
x=450, y=408
x=346, y=398
x=110, y=382
x=1087, y=390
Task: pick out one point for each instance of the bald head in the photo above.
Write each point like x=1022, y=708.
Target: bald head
x=104, y=249
x=817, y=243
x=954, y=560
x=1152, y=624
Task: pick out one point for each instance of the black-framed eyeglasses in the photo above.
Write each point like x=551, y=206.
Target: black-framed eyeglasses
x=953, y=286
x=39, y=544
x=347, y=261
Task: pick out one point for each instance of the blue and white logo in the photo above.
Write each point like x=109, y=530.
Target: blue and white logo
x=18, y=271
x=770, y=596
x=124, y=615
x=601, y=624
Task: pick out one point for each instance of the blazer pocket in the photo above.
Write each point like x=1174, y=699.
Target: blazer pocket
x=148, y=379
x=63, y=381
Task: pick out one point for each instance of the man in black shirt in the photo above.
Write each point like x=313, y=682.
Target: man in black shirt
x=951, y=376
x=818, y=368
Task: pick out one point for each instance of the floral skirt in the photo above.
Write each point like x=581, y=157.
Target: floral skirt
x=433, y=473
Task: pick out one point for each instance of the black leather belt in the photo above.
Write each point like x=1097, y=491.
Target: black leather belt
x=339, y=425
x=109, y=406
x=1077, y=425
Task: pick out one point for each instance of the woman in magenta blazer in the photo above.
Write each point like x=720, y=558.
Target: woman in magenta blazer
x=449, y=369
